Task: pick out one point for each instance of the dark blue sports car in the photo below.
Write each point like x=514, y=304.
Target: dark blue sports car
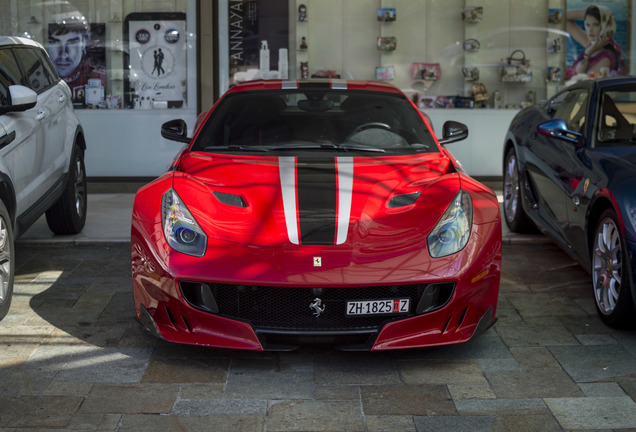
x=570, y=170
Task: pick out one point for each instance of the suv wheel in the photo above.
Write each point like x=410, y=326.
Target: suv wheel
x=7, y=261
x=68, y=214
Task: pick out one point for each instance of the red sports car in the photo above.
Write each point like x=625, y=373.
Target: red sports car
x=315, y=212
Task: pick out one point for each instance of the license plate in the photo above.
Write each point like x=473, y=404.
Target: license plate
x=378, y=307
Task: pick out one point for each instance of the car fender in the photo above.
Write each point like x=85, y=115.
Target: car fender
x=7, y=193
x=624, y=204
x=73, y=131
x=147, y=206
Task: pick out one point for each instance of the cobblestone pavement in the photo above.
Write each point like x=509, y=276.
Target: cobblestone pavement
x=72, y=358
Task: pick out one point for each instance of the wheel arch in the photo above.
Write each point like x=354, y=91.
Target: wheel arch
x=603, y=200
x=508, y=144
x=80, y=139
x=7, y=196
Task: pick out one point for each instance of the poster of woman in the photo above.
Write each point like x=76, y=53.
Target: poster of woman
x=598, y=38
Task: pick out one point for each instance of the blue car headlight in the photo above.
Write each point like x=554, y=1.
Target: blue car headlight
x=181, y=230
x=452, y=231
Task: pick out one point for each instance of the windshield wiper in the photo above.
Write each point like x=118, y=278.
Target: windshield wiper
x=358, y=148
x=328, y=146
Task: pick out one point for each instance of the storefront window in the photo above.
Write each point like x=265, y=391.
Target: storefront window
x=131, y=65
x=442, y=53
x=121, y=54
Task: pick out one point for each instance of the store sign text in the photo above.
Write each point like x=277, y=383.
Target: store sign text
x=236, y=30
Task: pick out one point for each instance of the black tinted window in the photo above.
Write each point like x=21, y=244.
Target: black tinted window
x=36, y=69
x=9, y=75
x=572, y=107
x=617, y=120
x=316, y=120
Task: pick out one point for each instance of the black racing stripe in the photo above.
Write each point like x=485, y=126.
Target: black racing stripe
x=314, y=85
x=317, y=200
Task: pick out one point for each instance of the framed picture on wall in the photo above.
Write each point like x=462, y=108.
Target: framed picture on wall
x=384, y=73
x=554, y=44
x=587, y=21
x=555, y=16
x=78, y=52
x=387, y=14
x=156, y=77
x=472, y=14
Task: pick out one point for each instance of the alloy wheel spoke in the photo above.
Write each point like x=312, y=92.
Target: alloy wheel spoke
x=511, y=188
x=607, y=266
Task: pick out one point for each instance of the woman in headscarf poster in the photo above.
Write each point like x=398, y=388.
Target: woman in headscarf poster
x=598, y=38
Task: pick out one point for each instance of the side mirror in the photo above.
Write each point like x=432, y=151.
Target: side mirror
x=453, y=131
x=559, y=129
x=22, y=99
x=175, y=130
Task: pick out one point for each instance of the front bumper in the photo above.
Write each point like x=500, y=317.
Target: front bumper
x=181, y=316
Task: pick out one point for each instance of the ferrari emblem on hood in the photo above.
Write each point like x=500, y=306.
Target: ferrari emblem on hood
x=317, y=261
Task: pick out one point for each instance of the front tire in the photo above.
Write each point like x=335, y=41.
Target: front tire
x=514, y=214
x=7, y=261
x=68, y=214
x=610, y=275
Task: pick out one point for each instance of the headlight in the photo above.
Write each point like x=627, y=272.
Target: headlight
x=182, y=232
x=452, y=232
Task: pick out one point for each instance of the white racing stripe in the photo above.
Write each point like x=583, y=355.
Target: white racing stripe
x=287, y=169
x=338, y=84
x=344, y=170
x=289, y=85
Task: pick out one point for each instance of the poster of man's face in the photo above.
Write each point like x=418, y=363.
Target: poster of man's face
x=78, y=53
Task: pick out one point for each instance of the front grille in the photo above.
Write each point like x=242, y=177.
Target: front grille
x=287, y=308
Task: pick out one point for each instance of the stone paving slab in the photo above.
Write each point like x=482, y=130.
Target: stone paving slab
x=72, y=358
x=594, y=412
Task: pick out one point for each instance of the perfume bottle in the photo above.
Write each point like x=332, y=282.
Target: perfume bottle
x=497, y=100
x=283, y=65
x=264, y=59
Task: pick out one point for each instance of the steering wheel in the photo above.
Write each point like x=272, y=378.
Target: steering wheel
x=369, y=125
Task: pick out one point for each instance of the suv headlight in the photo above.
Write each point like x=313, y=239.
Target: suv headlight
x=181, y=230
x=452, y=232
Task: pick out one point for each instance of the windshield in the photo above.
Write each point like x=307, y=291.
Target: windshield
x=284, y=121
x=617, y=125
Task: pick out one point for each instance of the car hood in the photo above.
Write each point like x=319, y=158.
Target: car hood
x=326, y=201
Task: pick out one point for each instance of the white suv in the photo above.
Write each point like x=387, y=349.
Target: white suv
x=41, y=152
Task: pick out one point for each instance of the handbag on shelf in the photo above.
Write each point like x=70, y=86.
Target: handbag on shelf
x=443, y=102
x=384, y=73
x=426, y=71
x=470, y=73
x=464, y=102
x=516, y=68
x=387, y=43
x=472, y=14
x=479, y=91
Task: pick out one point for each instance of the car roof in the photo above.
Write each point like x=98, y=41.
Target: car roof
x=317, y=84
x=603, y=82
x=15, y=40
